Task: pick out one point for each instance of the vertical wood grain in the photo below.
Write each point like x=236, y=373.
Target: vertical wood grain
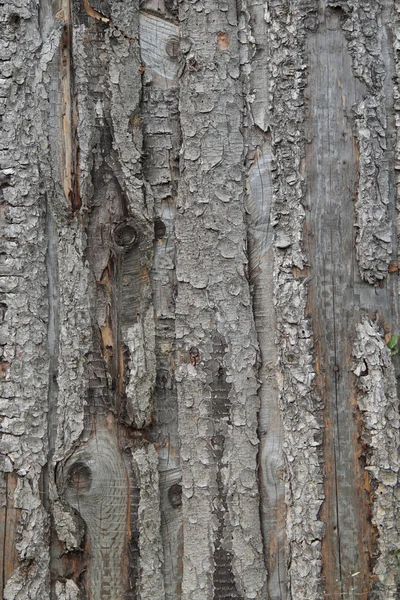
x=337, y=301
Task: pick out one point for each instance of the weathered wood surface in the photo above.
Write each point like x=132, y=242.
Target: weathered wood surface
x=254, y=55
x=330, y=169
x=261, y=264
x=300, y=405
x=95, y=485
x=338, y=298
x=199, y=279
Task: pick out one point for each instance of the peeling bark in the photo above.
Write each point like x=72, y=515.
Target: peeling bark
x=214, y=324
x=199, y=300
x=378, y=403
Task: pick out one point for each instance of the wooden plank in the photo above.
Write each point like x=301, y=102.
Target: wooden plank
x=162, y=142
x=97, y=475
x=261, y=265
x=337, y=301
x=331, y=167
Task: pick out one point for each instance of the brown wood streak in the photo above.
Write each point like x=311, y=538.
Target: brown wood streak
x=9, y=516
x=106, y=329
x=69, y=115
x=330, y=169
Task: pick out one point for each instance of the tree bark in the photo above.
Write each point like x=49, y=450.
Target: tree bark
x=199, y=313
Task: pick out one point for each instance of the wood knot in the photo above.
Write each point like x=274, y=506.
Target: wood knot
x=175, y=495
x=14, y=20
x=172, y=46
x=3, y=310
x=125, y=234
x=192, y=64
x=79, y=477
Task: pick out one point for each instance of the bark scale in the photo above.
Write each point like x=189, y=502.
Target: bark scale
x=199, y=300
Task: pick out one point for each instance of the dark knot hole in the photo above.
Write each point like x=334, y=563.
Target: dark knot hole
x=175, y=495
x=79, y=477
x=125, y=235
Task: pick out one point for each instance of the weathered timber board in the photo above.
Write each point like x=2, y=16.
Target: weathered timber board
x=161, y=136
x=261, y=265
x=99, y=509
x=338, y=299
x=255, y=57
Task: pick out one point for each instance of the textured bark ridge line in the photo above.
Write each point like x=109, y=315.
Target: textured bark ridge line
x=300, y=405
x=161, y=136
x=367, y=42
x=379, y=406
x=95, y=484
x=25, y=60
x=67, y=590
x=69, y=381
x=254, y=57
x=213, y=302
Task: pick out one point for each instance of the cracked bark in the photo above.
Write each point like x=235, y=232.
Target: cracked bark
x=199, y=281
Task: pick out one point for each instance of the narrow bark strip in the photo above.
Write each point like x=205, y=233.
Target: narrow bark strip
x=216, y=343
x=300, y=403
x=24, y=305
x=161, y=55
x=379, y=406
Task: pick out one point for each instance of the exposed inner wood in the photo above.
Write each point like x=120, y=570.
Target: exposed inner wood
x=70, y=163
x=261, y=264
x=96, y=486
x=337, y=301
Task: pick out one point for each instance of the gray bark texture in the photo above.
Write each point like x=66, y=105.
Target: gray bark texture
x=199, y=313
